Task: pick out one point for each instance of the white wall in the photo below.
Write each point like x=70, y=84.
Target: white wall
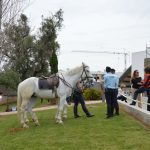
x=138, y=62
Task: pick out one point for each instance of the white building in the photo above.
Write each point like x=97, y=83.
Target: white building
x=138, y=61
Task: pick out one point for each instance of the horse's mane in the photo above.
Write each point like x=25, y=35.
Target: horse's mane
x=74, y=70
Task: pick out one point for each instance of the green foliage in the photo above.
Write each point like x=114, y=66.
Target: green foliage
x=30, y=55
x=48, y=38
x=92, y=94
x=19, y=48
x=9, y=79
x=54, y=63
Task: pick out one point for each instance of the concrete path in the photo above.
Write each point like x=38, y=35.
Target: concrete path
x=46, y=108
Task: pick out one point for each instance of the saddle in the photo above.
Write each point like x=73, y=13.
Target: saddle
x=49, y=83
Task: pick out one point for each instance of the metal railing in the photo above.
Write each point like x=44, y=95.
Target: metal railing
x=129, y=97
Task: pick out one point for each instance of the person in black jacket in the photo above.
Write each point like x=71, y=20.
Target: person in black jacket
x=135, y=85
x=145, y=87
x=78, y=98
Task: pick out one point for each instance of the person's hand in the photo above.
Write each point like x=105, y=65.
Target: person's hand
x=139, y=83
x=142, y=82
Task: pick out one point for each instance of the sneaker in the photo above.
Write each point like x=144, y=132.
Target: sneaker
x=132, y=104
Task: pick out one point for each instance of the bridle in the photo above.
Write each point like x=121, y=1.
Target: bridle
x=82, y=79
x=86, y=78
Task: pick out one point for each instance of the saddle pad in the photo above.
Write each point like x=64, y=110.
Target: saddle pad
x=44, y=84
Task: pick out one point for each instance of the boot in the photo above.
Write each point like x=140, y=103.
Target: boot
x=77, y=116
x=90, y=115
x=133, y=103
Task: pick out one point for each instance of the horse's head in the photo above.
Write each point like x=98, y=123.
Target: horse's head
x=86, y=76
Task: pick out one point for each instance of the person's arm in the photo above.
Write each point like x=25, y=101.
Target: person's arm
x=117, y=82
x=105, y=78
x=136, y=82
x=133, y=81
x=146, y=81
x=140, y=82
x=79, y=86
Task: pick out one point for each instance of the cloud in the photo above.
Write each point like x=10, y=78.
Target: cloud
x=112, y=25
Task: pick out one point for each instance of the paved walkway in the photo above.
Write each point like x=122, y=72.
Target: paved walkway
x=45, y=108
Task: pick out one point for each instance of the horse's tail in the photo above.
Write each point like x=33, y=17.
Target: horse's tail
x=19, y=101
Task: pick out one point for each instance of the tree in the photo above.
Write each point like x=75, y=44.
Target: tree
x=54, y=63
x=19, y=48
x=28, y=55
x=9, y=10
x=48, y=38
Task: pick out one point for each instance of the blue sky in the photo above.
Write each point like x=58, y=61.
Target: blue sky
x=96, y=25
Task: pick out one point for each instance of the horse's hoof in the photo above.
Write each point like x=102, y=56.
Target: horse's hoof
x=37, y=123
x=25, y=126
x=60, y=122
x=27, y=121
x=64, y=117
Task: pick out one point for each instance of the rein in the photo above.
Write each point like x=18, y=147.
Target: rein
x=65, y=82
x=82, y=78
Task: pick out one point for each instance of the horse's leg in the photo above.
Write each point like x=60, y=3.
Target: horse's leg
x=56, y=116
x=60, y=109
x=26, y=116
x=65, y=110
x=33, y=115
x=23, y=112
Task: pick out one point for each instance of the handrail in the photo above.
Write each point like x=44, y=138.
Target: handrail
x=135, y=100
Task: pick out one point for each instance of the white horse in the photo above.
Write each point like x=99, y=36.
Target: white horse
x=28, y=92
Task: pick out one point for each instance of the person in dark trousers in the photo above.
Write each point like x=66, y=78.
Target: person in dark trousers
x=111, y=86
x=116, y=105
x=145, y=87
x=78, y=98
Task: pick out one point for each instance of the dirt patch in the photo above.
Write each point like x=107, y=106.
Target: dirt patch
x=16, y=130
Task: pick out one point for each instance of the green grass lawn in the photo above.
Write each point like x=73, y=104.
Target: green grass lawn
x=96, y=133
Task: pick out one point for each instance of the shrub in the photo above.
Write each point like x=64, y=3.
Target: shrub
x=92, y=94
x=9, y=79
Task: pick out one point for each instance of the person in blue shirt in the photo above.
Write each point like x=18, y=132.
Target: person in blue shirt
x=111, y=90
